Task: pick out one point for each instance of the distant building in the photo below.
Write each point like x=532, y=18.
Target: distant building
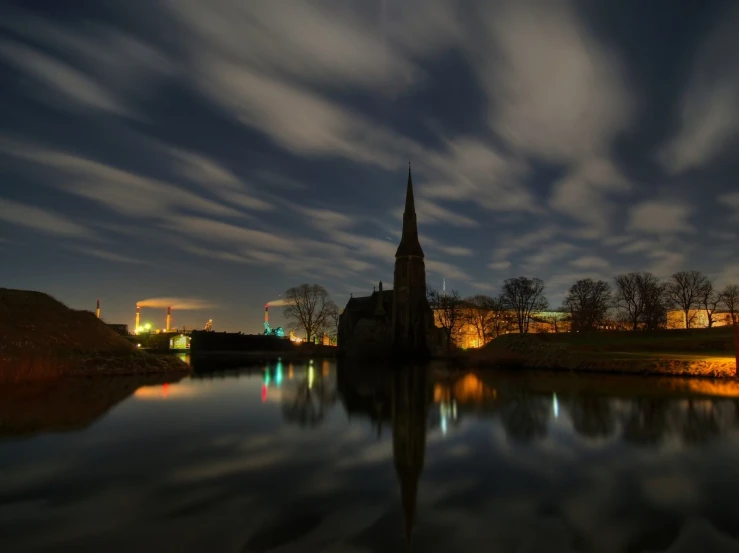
x=698, y=318
x=398, y=321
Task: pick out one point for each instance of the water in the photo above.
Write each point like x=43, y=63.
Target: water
x=308, y=457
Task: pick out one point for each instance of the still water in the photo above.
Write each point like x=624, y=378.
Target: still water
x=293, y=457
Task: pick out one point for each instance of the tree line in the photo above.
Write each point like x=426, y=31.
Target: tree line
x=638, y=300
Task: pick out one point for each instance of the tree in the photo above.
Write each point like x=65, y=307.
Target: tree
x=709, y=300
x=524, y=296
x=730, y=298
x=488, y=316
x=628, y=298
x=641, y=299
x=684, y=292
x=309, y=309
x=656, y=303
x=588, y=302
x=448, y=312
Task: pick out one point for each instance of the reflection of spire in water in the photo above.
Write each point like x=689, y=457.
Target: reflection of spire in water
x=410, y=413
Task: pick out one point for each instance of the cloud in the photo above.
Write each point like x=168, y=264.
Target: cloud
x=307, y=42
x=40, y=219
x=468, y=169
x=546, y=255
x=660, y=217
x=219, y=180
x=431, y=212
x=61, y=79
x=731, y=200
x=499, y=265
x=459, y=251
x=584, y=195
x=446, y=270
x=709, y=107
x=122, y=191
x=555, y=92
x=107, y=256
x=590, y=262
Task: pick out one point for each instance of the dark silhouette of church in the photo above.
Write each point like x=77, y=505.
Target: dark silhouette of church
x=397, y=322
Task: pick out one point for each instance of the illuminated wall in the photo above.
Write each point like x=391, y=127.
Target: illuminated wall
x=699, y=318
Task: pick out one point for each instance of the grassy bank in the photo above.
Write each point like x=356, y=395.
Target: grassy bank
x=41, y=338
x=696, y=352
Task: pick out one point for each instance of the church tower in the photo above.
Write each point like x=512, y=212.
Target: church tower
x=411, y=311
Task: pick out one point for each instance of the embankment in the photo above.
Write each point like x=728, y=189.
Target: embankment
x=695, y=352
x=41, y=338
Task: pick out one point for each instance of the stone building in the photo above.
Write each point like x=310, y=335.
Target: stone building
x=396, y=322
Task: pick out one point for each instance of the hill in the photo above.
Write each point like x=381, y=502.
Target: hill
x=695, y=352
x=41, y=338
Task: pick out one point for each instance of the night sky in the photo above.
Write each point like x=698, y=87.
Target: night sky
x=226, y=150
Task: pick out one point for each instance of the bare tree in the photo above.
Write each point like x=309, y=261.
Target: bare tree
x=730, y=298
x=448, y=312
x=628, y=298
x=524, y=296
x=684, y=291
x=641, y=299
x=310, y=309
x=656, y=303
x=588, y=302
x=488, y=316
x=709, y=300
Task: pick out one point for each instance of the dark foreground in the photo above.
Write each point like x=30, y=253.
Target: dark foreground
x=306, y=457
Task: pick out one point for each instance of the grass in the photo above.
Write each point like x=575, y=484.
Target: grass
x=42, y=338
x=694, y=352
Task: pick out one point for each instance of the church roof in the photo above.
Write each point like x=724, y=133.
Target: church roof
x=409, y=244
x=366, y=305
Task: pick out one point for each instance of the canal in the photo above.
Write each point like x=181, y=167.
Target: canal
x=293, y=457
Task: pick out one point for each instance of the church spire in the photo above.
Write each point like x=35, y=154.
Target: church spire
x=409, y=244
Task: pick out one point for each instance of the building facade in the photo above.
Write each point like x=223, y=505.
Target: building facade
x=397, y=322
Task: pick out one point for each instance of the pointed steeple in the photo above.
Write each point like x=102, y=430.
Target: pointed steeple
x=409, y=244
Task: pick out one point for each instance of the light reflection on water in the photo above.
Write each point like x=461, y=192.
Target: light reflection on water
x=292, y=456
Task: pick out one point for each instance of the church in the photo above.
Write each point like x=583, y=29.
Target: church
x=397, y=322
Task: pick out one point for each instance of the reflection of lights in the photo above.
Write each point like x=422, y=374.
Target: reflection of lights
x=443, y=424
x=555, y=405
x=266, y=376
x=165, y=390
x=290, y=371
x=278, y=373
x=264, y=393
x=311, y=376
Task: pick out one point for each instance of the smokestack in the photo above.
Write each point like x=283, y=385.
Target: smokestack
x=97, y=310
x=169, y=318
x=266, y=312
x=138, y=319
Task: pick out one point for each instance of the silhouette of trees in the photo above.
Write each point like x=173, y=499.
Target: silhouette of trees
x=642, y=300
x=524, y=296
x=709, y=300
x=684, y=291
x=588, y=302
x=730, y=298
x=488, y=316
x=448, y=310
x=310, y=309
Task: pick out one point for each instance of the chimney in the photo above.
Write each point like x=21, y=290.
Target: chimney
x=97, y=310
x=169, y=318
x=266, y=312
x=138, y=319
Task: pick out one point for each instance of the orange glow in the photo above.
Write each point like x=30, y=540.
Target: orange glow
x=468, y=389
x=165, y=390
